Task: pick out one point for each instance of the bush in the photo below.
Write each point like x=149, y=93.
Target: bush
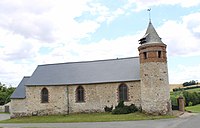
x=178, y=89
x=124, y=109
x=190, y=104
x=133, y=108
x=174, y=102
x=120, y=111
x=108, y=109
x=120, y=104
x=192, y=97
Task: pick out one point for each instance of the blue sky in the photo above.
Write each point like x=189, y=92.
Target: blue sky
x=48, y=31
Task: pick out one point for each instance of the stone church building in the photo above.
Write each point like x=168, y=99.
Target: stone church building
x=89, y=86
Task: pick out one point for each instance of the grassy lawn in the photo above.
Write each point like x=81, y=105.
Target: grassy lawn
x=194, y=90
x=4, y=113
x=96, y=117
x=195, y=108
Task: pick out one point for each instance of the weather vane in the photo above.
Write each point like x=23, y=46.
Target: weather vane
x=149, y=10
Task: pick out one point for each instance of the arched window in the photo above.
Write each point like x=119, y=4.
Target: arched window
x=123, y=92
x=80, y=94
x=44, y=95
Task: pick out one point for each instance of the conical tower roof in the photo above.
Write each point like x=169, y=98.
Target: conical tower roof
x=151, y=36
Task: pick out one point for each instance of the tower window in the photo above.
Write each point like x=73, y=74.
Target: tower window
x=145, y=55
x=159, y=54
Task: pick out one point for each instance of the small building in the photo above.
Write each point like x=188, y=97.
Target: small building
x=89, y=86
x=5, y=108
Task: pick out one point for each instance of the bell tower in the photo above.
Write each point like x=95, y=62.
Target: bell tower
x=155, y=91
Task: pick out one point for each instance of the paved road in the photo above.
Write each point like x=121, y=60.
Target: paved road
x=187, y=122
x=4, y=116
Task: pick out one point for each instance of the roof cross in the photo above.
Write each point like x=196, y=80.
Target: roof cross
x=149, y=10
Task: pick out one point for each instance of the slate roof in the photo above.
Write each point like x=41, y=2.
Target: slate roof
x=151, y=36
x=19, y=92
x=88, y=72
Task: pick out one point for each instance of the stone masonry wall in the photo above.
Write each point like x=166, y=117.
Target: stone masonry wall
x=18, y=108
x=97, y=96
x=155, y=93
x=57, y=100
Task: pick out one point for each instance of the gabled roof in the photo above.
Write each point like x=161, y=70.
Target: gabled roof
x=151, y=36
x=88, y=72
x=19, y=92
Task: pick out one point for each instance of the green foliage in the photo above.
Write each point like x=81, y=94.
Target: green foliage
x=108, y=109
x=5, y=93
x=120, y=104
x=178, y=89
x=188, y=88
x=174, y=101
x=192, y=82
x=191, y=97
x=124, y=109
x=190, y=104
x=174, y=96
x=120, y=111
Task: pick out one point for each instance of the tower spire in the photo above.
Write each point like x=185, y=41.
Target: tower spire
x=151, y=36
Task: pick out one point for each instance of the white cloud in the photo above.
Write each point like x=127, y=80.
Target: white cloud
x=182, y=37
x=16, y=47
x=184, y=73
x=192, y=22
x=54, y=20
x=11, y=73
x=20, y=17
x=125, y=46
x=27, y=26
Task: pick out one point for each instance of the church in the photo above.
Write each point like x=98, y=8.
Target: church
x=89, y=86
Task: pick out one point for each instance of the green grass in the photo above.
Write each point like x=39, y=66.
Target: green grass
x=194, y=90
x=96, y=117
x=195, y=109
x=4, y=113
x=189, y=90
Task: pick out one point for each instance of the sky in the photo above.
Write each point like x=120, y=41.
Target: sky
x=36, y=32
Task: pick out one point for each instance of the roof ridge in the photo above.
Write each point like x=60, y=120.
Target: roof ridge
x=88, y=61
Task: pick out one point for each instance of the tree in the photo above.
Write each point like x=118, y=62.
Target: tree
x=192, y=82
x=5, y=93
